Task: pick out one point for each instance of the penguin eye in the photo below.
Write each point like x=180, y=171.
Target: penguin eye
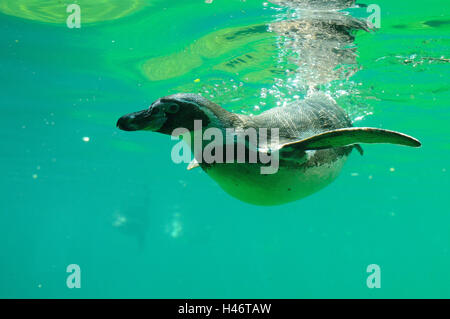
x=173, y=108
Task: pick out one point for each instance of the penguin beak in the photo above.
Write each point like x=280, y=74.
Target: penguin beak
x=142, y=120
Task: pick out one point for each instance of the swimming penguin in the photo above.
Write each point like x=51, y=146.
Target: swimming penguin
x=314, y=137
x=133, y=221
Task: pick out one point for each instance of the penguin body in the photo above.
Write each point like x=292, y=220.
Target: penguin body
x=314, y=138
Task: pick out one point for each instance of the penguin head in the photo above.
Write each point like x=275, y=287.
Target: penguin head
x=169, y=113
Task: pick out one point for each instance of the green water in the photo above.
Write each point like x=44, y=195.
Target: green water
x=76, y=190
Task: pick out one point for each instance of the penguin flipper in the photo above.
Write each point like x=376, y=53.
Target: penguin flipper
x=359, y=149
x=351, y=136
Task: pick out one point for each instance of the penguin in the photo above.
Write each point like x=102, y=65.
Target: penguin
x=311, y=140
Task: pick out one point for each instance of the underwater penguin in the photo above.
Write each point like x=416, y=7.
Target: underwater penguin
x=132, y=217
x=314, y=139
